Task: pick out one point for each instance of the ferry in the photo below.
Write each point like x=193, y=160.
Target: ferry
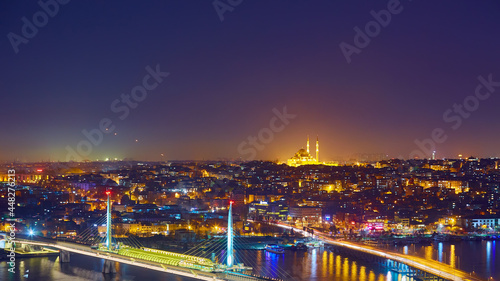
x=273, y=248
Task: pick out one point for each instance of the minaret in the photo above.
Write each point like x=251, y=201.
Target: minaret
x=317, y=149
x=307, y=144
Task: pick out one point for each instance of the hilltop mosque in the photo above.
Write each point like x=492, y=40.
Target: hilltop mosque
x=303, y=157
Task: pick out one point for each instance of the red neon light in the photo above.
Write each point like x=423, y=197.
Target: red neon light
x=108, y=192
x=39, y=170
x=231, y=202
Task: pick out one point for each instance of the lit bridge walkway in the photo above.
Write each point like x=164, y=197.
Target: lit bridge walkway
x=433, y=267
x=189, y=265
x=85, y=250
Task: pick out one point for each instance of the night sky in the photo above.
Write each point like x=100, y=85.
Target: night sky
x=226, y=77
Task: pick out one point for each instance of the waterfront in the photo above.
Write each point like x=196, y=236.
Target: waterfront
x=470, y=256
x=315, y=264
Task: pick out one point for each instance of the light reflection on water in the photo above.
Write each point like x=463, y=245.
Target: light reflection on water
x=317, y=265
x=314, y=265
x=452, y=256
x=488, y=255
x=440, y=251
x=469, y=256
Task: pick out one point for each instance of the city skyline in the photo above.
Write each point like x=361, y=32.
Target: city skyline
x=214, y=80
x=249, y=140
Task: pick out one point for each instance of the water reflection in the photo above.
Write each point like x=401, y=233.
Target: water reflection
x=493, y=251
x=354, y=271
x=345, y=269
x=469, y=256
x=452, y=256
x=318, y=265
x=428, y=252
x=362, y=273
x=371, y=276
x=488, y=255
x=314, y=265
x=314, y=262
x=440, y=251
x=338, y=260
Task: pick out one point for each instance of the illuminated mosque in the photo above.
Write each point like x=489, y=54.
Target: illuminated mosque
x=303, y=157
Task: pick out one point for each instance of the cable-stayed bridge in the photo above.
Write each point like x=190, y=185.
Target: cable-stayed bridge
x=215, y=258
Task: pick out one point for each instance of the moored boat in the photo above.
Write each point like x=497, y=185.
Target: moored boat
x=273, y=248
x=441, y=238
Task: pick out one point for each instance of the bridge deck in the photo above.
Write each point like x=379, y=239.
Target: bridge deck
x=436, y=268
x=81, y=249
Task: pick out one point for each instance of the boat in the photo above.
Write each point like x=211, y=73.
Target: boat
x=301, y=247
x=441, y=238
x=273, y=248
x=490, y=237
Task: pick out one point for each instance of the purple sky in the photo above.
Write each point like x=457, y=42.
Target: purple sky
x=226, y=77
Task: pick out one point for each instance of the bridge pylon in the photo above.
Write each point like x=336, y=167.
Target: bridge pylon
x=108, y=224
x=230, y=250
x=109, y=267
x=64, y=256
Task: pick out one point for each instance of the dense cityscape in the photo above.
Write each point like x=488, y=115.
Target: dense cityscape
x=236, y=140
x=452, y=196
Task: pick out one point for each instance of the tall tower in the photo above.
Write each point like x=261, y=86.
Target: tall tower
x=307, y=144
x=230, y=252
x=317, y=149
x=108, y=224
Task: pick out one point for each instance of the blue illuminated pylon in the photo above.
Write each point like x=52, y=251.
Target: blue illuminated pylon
x=230, y=257
x=108, y=224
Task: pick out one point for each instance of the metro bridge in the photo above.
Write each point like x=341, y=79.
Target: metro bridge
x=188, y=265
x=193, y=265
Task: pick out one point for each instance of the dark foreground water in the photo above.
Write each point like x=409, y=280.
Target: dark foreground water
x=479, y=257
x=315, y=265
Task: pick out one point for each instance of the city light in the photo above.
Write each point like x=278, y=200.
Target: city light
x=407, y=176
